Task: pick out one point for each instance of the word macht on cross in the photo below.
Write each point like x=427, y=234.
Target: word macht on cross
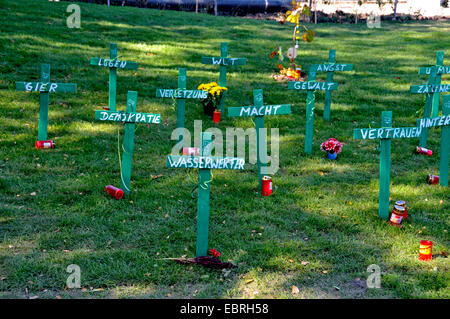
x=181, y=94
x=443, y=121
x=432, y=89
x=113, y=63
x=130, y=117
x=204, y=163
x=45, y=87
x=385, y=134
x=311, y=86
x=223, y=61
x=259, y=110
x=330, y=68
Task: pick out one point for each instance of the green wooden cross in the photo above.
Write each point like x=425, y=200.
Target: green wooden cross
x=311, y=86
x=204, y=163
x=130, y=117
x=113, y=64
x=45, y=87
x=181, y=94
x=259, y=110
x=432, y=91
x=385, y=133
x=330, y=68
x=223, y=61
x=443, y=121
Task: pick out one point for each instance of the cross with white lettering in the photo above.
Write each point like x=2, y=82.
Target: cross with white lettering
x=130, y=117
x=385, y=133
x=44, y=88
x=432, y=90
x=223, y=61
x=204, y=163
x=113, y=64
x=311, y=86
x=330, y=68
x=181, y=94
x=443, y=121
x=259, y=110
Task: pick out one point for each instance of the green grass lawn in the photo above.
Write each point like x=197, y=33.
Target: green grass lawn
x=319, y=230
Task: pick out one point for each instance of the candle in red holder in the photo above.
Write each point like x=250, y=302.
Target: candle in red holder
x=216, y=116
x=423, y=150
x=402, y=203
x=44, y=144
x=397, y=216
x=190, y=151
x=425, y=249
x=266, y=186
x=433, y=179
x=115, y=192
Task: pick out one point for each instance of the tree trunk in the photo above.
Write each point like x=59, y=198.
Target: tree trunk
x=196, y=6
x=395, y=10
x=215, y=7
x=310, y=8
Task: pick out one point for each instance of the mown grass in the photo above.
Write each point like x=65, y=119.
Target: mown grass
x=321, y=212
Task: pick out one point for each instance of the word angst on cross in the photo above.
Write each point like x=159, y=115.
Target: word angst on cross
x=44, y=88
x=330, y=68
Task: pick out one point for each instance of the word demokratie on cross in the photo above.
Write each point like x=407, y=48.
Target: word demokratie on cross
x=131, y=117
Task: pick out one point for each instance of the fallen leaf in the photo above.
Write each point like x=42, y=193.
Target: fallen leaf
x=33, y=194
x=291, y=261
x=33, y=297
x=295, y=290
x=304, y=263
x=248, y=281
x=325, y=271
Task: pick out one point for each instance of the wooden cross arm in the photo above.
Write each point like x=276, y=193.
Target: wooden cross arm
x=224, y=61
x=313, y=86
x=443, y=120
x=330, y=67
x=181, y=94
x=439, y=70
x=428, y=88
x=114, y=63
x=259, y=110
x=386, y=132
x=205, y=162
x=128, y=117
x=46, y=87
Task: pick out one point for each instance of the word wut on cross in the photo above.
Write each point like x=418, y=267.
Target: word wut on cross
x=443, y=121
x=130, y=117
x=432, y=89
x=181, y=94
x=204, y=163
x=311, y=86
x=113, y=63
x=44, y=88
x=259, y=110
x=385, y=133
x=223, y=61
x=330, y=68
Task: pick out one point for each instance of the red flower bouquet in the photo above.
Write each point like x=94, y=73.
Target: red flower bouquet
x=332, y=145
x=214, y=253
